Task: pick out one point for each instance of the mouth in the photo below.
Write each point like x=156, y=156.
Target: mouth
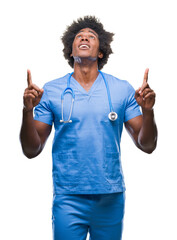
x=84, y=46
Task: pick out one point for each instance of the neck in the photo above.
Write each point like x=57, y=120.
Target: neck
x=85, y=74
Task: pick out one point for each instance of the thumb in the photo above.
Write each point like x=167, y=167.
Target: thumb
x=41, y=91
x=137, y=92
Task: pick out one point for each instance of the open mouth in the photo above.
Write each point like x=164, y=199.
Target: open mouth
x=84, y=46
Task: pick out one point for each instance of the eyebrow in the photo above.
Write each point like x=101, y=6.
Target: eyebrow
x=90, y=32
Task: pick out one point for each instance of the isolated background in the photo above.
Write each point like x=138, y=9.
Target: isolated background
x=145, y=36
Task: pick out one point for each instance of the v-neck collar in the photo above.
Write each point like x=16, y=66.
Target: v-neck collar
x=81, y=89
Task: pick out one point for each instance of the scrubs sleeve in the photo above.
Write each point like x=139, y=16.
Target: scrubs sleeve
x=42, y=111
x=132, y=108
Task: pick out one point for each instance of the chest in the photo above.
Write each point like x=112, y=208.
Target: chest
x=93, y=108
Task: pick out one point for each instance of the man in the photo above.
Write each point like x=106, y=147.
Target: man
x=87, y=174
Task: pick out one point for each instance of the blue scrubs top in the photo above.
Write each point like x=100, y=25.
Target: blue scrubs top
x=86, y=153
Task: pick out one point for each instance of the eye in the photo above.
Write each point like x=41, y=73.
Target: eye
x=92, y=37
x=78, y=36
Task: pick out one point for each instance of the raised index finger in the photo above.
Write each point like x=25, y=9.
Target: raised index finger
x=29, y=79
x=146, y=75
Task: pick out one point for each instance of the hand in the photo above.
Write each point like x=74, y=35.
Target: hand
x=145, y=96
x=32, y=94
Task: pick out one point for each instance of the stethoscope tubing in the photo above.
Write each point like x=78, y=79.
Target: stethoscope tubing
x=108, y=91
x=112, y=115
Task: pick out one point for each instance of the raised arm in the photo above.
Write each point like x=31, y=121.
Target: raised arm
x=33, y=134
x=143, y=128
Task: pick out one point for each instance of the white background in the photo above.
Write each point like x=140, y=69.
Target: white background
x=145, y=36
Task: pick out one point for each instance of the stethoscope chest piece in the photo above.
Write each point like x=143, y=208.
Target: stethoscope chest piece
x=112, y=116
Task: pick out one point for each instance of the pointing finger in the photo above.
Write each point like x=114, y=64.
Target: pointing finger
x=146, y=75
x=29, y=79
x=144, y=85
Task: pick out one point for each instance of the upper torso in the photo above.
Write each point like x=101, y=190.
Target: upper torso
x=86, y=153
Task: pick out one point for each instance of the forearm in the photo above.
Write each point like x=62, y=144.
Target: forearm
x=29, y=137
x=147, y=137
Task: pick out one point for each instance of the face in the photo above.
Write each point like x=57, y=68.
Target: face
x=86, y=45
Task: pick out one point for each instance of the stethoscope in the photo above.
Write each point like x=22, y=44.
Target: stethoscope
x=112, y=115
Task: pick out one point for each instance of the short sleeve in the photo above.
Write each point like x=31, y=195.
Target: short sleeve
x=42, y=111
x=132, y=108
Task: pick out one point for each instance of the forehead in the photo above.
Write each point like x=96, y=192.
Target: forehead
x=88, y=30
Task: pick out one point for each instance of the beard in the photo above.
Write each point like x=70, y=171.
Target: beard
x=84, y=60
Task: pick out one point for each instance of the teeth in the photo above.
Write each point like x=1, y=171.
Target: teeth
x=81, y=46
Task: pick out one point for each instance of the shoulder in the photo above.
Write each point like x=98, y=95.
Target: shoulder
x=58, y=82
x=115, y=80
x=56, y=86
x=117, y=84
x=120, y=90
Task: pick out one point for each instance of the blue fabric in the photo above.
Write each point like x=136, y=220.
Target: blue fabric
x=86, y=153
x=73, y=216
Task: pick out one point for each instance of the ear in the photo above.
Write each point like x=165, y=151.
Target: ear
x=71, y=55
x=100, y=55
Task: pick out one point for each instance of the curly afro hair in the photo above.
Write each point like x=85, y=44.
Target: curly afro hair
x=105, y=38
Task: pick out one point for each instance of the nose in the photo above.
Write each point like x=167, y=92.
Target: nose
x=84, y=38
